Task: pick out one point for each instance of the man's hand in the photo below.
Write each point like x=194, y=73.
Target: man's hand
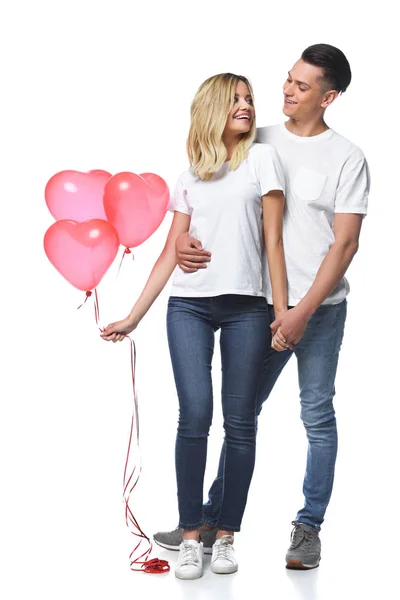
x=190, y=254
x=288, y=329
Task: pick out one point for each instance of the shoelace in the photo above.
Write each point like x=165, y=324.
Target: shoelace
x=189, y=555
x=223, y=549
x=300, y=536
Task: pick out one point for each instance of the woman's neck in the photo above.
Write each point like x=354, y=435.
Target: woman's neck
x=230, y=143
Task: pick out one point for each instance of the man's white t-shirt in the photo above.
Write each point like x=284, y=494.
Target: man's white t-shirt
x=226, y=216
x=325, y=174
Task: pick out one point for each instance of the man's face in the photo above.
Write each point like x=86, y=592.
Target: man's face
x=304, y=91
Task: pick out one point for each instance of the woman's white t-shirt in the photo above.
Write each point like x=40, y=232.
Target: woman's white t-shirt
x=226, y=216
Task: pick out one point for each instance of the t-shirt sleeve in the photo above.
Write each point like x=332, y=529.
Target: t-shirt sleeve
x=353, y=188
x=178, y=200
x=270, y=170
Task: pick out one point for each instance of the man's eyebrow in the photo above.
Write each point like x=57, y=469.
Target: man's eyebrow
x=300, y=82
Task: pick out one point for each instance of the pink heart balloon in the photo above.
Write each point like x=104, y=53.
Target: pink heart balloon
x=81, y=252
x=77, y=196
x=135, y=205
x=101, y=173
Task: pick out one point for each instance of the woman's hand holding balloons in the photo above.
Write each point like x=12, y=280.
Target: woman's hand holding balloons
x=116, y=332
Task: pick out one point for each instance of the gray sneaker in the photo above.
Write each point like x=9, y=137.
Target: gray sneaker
x=305, y=548
x=171, y=540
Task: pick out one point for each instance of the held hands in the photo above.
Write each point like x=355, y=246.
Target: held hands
x=288, y=329
x=116, y=332
x=279, y=341
x=190, y=254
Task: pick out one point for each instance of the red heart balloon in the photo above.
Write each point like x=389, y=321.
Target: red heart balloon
x=77, y=196
x=81, y=252
x=135, y=205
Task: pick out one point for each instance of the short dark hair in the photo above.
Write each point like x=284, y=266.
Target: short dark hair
x=336, y=68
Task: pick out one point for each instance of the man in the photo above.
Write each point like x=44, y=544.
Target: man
x=327, y=185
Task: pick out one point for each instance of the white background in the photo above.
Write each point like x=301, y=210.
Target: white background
x=108, y=85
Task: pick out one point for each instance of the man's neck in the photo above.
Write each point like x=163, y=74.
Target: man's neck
x=306, y=128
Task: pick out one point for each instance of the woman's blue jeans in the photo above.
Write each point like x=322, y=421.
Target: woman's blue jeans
x=245, y=336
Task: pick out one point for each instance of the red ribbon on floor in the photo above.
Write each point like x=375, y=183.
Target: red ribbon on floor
x=131, y=479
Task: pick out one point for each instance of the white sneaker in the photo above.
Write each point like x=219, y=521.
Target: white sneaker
x=190, y=560
x=223, y=556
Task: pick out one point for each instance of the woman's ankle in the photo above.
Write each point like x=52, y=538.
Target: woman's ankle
x=191, y=534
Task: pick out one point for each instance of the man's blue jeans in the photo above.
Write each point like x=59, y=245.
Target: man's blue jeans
x=245, y=336
x=317, y=358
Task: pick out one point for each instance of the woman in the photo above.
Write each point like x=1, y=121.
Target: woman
x=232, y=191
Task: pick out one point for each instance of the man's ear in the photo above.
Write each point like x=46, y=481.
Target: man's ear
x=329, y=97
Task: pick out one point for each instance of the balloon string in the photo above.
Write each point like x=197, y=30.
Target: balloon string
x=126, y=251
x=131, y=479
x=97, y=310
x=88, y=294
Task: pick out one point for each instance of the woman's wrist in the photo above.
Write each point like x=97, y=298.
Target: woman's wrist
x=133, y=318
x=279, y=310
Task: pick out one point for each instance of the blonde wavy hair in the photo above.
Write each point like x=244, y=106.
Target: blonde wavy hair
x=209, y=112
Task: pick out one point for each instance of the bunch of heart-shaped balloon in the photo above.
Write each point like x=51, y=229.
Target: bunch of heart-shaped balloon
x=95, y=212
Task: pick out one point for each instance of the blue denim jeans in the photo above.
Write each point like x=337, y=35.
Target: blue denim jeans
x=245, y=335
x=317, y=358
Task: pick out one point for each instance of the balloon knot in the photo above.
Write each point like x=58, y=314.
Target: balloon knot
x=128, y=251
x=88, y=294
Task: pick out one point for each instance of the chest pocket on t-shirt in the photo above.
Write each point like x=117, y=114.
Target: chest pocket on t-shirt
x=308, y=184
